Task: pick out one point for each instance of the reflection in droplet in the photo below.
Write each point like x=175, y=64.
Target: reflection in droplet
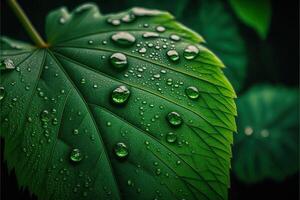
x=120, y=94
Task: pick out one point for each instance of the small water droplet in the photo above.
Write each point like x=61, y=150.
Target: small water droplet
x=173, y=55
x=174, y=119
x=128, y=18
x=75, y=131
x=171, y=137
x=45, y=116
x=174, y=37
x=76, y=155
x=121, y=150
x=190, y=52
x=144, y=12
x=160, y=29
x=123, y=38
x=192, y=92
x=118, y=60
x=120, y=94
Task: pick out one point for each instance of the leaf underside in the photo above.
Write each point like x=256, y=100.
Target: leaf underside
x=266, y=146
x=73, y=80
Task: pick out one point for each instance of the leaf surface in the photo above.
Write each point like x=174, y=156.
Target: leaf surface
x=267, y=143
x=68, y=138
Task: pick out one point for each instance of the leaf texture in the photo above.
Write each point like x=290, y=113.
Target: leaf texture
x=58, y=100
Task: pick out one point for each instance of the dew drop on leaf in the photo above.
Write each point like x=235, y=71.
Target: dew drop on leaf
x=120, y=94
x=118, y=60
x=173, y=55
x=150, y=35
x=2, y=93
x=45, y=116
x=7, y=64
x=128, y=18
x=121, y=150
x=160, y=29
x=192, y=92
x=76, y=155
x=190, y=52
x=174, y=119
x=143, y=50
x=123, y=38
x=171, y=137
x=174, y=37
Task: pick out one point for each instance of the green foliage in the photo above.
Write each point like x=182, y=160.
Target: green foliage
x=266, y=145
x=109, y=111
x=213, y=20
x=254, y=13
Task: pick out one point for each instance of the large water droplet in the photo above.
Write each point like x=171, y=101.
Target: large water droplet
x=144, y=12
x=192, y=92
x=76, y=155
x=121, y=150
x=118, y=60
x=7, y=64
x=173, y=55
x=190, y=52
x=171, y=137
x=174, y=119
x=174, y=37
x=123, y=38
x=160, y=29
x=45, y=116
x=120, y=94
x=150, y=35
x=2, y=93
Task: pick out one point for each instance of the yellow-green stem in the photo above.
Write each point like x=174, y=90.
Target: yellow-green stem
x=34, y=35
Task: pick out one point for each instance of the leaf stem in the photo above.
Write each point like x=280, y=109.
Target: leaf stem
x=35, y=36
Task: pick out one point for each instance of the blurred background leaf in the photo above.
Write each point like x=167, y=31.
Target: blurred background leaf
x=266, y=145
x=254, y=13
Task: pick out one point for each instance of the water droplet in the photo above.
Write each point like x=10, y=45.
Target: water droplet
x=118, y=60
x=171, y=137
x=2, y=93
x=144, y=12
x=192, y=92
x=128, y=18
x=150, y=35
x=75, y=131
x=173, y=55
x=190, y=52
x=45, y=116
x=160, y=29
x=114, y=22
x=143, y=50
x=123, y=38
x=76, y=155
x=120, y=94
x=7, y=64
x=121, y=150
x=62, y=20
x=174, y=37
x=174, y=119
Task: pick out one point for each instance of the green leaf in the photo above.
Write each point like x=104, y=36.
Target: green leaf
x=266, y=145
x=254, y=13
x=215, y=23
x=103, y=112
x=175, y=8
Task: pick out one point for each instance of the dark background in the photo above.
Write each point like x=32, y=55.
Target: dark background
x=281, y=48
